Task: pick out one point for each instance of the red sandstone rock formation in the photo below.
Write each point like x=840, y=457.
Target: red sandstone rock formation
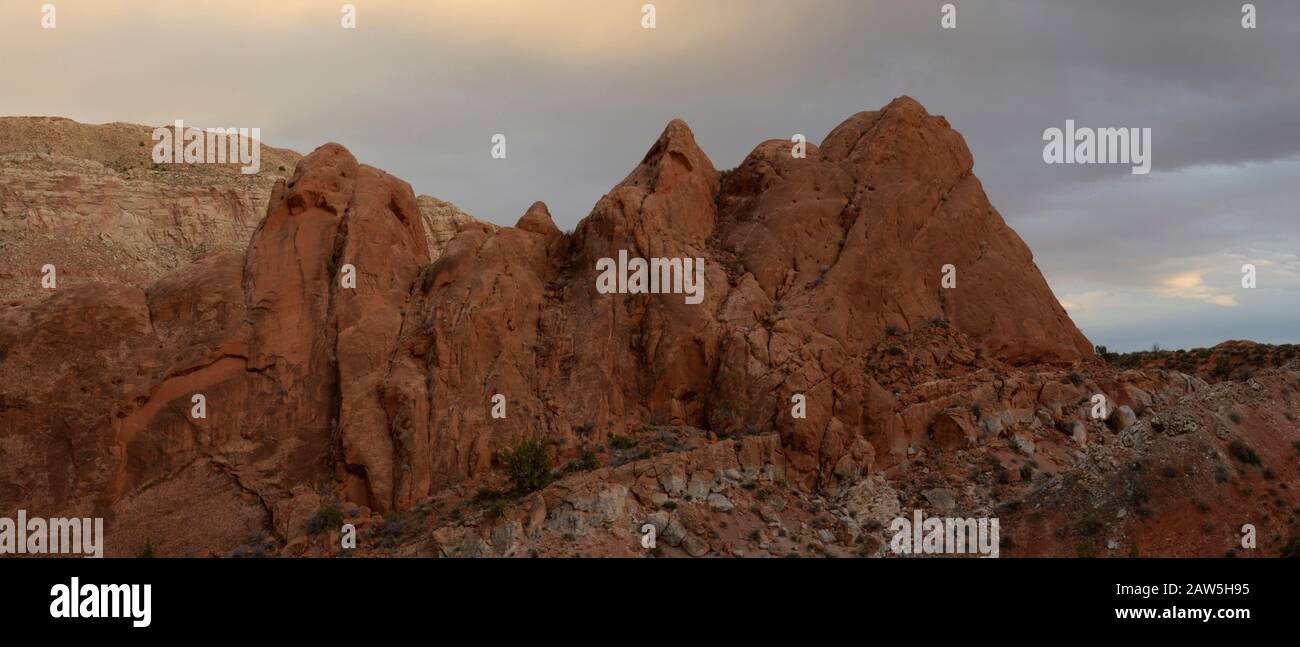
x=809, y=262
x=822, y=278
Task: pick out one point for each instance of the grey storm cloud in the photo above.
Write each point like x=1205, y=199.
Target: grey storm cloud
x=581, y=91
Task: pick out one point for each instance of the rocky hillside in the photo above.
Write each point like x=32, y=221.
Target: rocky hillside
x=89, y=200
x=1233, y=359
x=493, y=401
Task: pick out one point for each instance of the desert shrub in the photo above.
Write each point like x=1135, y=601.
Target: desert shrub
x=390, y=533
x=1243, y=452
x=1091, y=526
x=327, y=517
x=528, y=465
x=1002, y=475
x=1107, y=356
x=1222, y=368
x=621, y=442
x=486, y=495
x=1141, y=494
x=585, y=462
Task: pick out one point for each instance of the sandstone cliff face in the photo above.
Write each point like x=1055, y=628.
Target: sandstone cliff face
x=285, y=360
x=355, y=348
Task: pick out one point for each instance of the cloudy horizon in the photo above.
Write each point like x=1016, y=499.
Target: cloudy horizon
x=581, y=91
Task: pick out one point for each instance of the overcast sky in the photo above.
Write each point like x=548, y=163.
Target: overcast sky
x=581, y=90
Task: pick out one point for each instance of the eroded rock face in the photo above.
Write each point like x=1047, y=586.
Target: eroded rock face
x=814, y=269
x=285, y=358
x=808, y=263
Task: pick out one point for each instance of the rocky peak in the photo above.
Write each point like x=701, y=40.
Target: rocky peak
x=538, y=220
x=666, y=202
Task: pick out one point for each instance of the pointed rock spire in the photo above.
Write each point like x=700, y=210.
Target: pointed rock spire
x=538, y=220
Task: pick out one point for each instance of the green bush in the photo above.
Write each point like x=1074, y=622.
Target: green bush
x=528, y=465
x=326, y=518
x=586, y=461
